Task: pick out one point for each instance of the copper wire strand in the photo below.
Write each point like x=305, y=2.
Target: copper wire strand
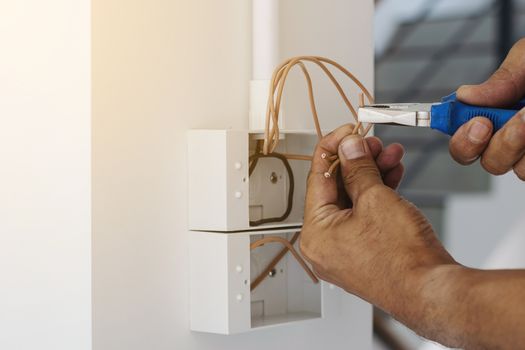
x=289, y=203
x=361, y=99
x=274, y=132
x=276, y=89
x=367, y=129
x=272, y=263
x=268, y=146
x=356, y=128
x=336, y=161
x=361, y=105
x=278, y=80
x=292, y=250
x=297, y=156
x=274, y=108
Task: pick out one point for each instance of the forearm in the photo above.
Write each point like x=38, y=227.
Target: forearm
x=467, y=308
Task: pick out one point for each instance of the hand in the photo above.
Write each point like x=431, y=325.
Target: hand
x=504, y=150
x=382, y=242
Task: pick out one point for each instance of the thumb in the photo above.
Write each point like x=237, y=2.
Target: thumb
x=504, y=88
x=358, y=167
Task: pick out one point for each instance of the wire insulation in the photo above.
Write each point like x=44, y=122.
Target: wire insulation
x=273, y=263
x=253, y=163
x=266, y=148
x=292, y=250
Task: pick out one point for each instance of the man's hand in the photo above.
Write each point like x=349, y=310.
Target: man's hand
x=359, y=234
x=373, y=248
x=505, y=149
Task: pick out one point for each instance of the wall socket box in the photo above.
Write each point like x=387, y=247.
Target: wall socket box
x=222, y=195
x=224, y=201
x=222, y=267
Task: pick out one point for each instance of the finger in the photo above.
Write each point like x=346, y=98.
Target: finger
x=471, y=139
x=390, y=157
x=375, y=145
x=322, y=191
x=393, y=177
x=327, y=147
x=519, y=169
x=358, y=168
x=506, y=147
x=504, y=88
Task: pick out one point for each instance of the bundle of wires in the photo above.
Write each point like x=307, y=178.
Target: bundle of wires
x=272, y=132
x=276, y=88
x=267, y=148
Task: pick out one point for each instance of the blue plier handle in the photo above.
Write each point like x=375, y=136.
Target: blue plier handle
x=451, y=114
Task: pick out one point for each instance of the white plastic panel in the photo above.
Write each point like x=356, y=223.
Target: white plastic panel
x=228, y=198
x=219, y=283
x=222, y=268
x=218, y=180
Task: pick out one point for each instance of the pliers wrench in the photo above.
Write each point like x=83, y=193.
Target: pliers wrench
x=446, y=116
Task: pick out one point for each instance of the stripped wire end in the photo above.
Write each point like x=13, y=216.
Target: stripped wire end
x=335, y=158
x=332, y=168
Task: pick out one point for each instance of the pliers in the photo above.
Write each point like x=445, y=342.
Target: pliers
x=446, y=116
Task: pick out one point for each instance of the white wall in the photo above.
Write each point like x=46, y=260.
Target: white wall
x=476, y=224
x=45, y=223
x=160, y=68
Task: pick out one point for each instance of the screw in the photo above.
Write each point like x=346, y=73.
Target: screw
x=273, y=177
x=272, y=273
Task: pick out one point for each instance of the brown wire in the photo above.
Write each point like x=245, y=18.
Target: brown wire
x=292, y=250
x=297, y=156
x=272, y=134
x=253, y=163
x=277, y=86
x=272, y=263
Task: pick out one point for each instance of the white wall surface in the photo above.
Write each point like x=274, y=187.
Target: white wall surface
x=162, y=67
x=45, y=219
x=477, y=224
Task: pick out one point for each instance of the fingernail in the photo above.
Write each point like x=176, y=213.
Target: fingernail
x=478, y=132
x=353, y=147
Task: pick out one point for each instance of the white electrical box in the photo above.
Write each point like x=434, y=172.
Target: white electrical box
x=222, y=268
x=224, y=197
x=234, y=201
x=218, y=180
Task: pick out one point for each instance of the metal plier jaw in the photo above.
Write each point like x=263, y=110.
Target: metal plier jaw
x=410, y=114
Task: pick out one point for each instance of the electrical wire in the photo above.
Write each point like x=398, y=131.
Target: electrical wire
x=266, y=148
x=265, y=273
x=253, y=163
x=271, y=132
x=288, y=245
x=277, y=84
